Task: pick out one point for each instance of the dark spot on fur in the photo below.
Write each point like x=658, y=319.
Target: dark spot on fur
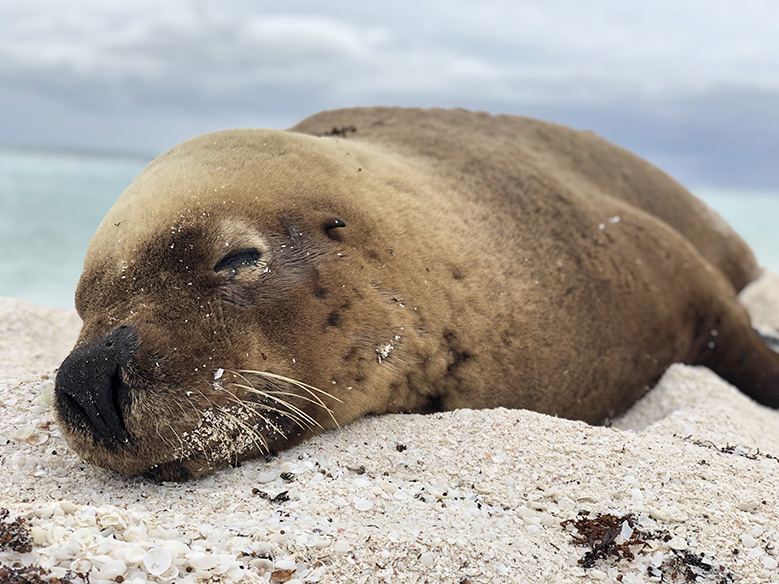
x=341, y=131
x=457, y=354
x=435, y=403
x=351, y=355
x=457, y=273
x=333, y=318
x=320, y=292
x=294, y=233
x=458, y=358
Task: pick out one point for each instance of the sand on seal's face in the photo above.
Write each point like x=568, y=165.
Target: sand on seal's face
x=464, y=495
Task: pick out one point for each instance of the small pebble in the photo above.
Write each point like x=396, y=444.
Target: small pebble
x=267, y=477
x=202, y=562
x=362, y=504
x=111, y=569
x=285, y=565
x=748, y=540
x=23, y=433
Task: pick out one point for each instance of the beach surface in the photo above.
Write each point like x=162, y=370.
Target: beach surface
x=684, y=487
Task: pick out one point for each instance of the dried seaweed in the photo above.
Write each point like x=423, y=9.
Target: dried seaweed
x=687, y=567
x=14, y=534
x=282, y=497
x=600, y=534
x=729, y=449
x=35, y=575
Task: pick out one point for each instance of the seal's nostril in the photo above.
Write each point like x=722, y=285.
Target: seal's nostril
x=116, y=388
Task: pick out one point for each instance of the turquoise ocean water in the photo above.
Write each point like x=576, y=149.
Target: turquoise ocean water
x=51, y=203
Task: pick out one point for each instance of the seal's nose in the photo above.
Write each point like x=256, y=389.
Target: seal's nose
x=89, y=390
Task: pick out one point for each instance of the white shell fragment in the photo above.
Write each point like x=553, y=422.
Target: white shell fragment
x=202, y=561
x=157, y=560
x=362, y=504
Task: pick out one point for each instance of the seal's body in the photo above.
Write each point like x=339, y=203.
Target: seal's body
x=253, y=286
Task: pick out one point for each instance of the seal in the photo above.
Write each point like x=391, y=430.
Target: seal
x=254, y=287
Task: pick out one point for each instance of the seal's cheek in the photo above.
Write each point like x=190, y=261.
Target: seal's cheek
x=90, y=392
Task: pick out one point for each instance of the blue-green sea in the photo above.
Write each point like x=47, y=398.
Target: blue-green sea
x=52, y=202
x=50, y=205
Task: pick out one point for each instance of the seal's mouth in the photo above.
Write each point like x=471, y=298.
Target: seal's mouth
x=90, y=391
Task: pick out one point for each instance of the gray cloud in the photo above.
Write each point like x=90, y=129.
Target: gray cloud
x=685, y=81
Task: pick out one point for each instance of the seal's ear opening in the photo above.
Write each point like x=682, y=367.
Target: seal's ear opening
x=333, y=223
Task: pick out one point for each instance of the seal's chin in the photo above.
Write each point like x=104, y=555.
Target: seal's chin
x=154, y=459
x=177, y=471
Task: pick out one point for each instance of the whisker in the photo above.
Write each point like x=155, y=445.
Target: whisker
x=257, y=409
x=296, y=415
x=304, y=386
x=300, y=384
x=293, y=409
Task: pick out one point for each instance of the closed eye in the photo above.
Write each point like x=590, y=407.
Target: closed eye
x=239, y=259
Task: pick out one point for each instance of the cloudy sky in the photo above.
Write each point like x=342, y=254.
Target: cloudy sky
x=693, y=85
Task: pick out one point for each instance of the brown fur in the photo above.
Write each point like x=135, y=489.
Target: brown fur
x=486, y=261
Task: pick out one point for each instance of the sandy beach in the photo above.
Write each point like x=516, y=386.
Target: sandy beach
x=684, y=487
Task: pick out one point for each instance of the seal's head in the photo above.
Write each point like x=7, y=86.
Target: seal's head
x=219, y=308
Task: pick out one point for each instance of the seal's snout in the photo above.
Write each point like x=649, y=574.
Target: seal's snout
x=90, y=392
